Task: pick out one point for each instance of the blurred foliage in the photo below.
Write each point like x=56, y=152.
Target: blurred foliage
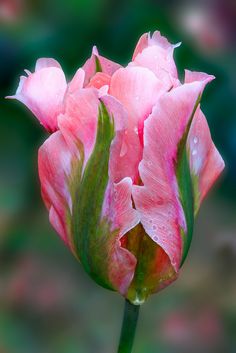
x=47, y=303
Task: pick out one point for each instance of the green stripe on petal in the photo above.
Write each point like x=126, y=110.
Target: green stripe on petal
x=98, y=64
x=89, y=232
x=187, y=187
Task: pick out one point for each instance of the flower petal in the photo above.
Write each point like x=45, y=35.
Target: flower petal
x=42, y=63
x=206, y=164
x=138, y=90
x=91, y=66
x=77, y=81
x=157, y=200
x=43, y=92
x=119, y=212
x=54, y=165
x=156, y=53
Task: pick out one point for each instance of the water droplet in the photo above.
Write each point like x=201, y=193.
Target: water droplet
x=126, y=132
x=150, y=221
x=136, y=130
x=195, y=140
x=154, y=227
x=123, y=149
x=194, y=152
x=149, y=163
x=155, y=238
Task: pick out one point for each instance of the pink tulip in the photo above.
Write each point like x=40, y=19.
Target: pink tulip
x=127, y=165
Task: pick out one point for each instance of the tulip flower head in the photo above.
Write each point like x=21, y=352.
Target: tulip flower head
x=127, y=164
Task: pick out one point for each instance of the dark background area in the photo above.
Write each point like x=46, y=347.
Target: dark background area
x=47, y=302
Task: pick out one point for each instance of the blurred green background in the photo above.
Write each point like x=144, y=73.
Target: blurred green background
x=47, y=302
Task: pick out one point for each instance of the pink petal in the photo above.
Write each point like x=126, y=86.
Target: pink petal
x=99, y=80
x=108, y=66
x=79, y=122
x=54, y=164
x=42, y=63
x=119, y=212
x=205, y=161
x=77, y=81
x=192, y=76
x=156, y=53
x=138, y=90
x=142, y=44
x=43, y=92
x=157, y=200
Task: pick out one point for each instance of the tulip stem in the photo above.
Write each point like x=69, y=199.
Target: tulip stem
x=129, y=324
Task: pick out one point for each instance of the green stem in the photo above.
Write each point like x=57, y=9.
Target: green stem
x=129, y=324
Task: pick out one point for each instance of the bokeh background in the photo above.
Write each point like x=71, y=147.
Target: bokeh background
x=47, y=302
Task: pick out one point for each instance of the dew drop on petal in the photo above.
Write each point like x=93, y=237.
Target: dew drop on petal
x=155, y=238
x=154, y=227
x=136, y=130
x=195, y=140
x=123, y=149
x=194, y=152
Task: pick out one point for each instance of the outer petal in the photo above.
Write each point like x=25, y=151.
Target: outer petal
x=102, y=210
x=205, y=161
x=206, y=164
x=54, y=164
x=43, y=92
x=106, y=66
x=158, y=200
x=156, y=53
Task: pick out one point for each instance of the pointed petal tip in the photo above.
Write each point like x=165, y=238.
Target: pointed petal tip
x=95, y=50
x=192, y=76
